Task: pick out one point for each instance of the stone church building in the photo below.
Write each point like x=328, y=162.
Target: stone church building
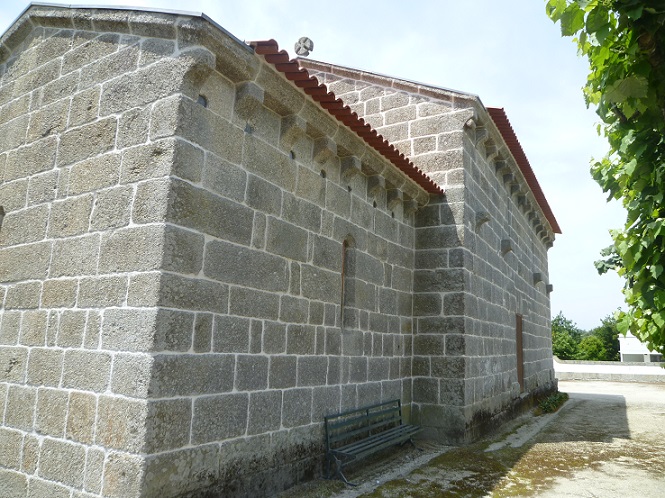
x=206, y=246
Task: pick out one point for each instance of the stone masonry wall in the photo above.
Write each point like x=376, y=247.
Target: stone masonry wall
x=510, y=277
x=197, y=263
x=171, y=261
x=80, y=248
x=478, y=254
x=266, y=215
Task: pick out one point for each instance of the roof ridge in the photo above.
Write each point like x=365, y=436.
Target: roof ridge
x=417, y=87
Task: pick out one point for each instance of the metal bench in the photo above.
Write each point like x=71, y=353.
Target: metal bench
x=356, y=434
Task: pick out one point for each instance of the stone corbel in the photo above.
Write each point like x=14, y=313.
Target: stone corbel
x=537, y=277
x=395, y=197
x=375, y=184
x=249, y=100
x=293, y=129
x=491, y=150
x=410, y=206
x=351, y=166
x=482, y=135
x=324, y=149
x=506, y=246
x=482, y=217
x=501, y=167
x=372, y=165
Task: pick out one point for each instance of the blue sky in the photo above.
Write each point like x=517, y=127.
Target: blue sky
x=507, y=52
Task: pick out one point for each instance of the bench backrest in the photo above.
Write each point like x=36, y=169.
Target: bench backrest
x=353, y=425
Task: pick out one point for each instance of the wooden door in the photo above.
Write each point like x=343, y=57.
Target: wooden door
x=519, y=351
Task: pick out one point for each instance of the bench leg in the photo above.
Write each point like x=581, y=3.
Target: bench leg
x=414, y=444
x=339, y=473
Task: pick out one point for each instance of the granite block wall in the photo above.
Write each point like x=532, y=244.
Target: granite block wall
x=197, y=262
x=194, y=265
x=266, y=221
x=481, y=255
x=79, y=253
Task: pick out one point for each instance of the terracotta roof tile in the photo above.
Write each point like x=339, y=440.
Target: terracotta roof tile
x=336, y=108
x=503, y=124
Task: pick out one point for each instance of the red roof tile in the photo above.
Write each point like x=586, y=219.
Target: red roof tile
x=336, y=108
x=503, y=124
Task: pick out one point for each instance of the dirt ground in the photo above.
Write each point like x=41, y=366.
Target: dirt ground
x=605, y=441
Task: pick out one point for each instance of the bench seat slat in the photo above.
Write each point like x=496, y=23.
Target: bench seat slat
x=340, y=436
x=358, y=433
x=351, y=422
x=378, y=447
x=402, y=432
x=339, y=422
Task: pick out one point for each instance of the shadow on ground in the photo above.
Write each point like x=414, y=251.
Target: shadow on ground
x=590, y=433
x=523, y=461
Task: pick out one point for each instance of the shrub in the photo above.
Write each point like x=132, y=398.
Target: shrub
x=552, y=403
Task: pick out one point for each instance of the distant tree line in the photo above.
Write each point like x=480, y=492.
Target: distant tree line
x=569, y=342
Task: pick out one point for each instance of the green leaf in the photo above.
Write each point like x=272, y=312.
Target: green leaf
x=555, y=8
x=630, y=87
x=603, y=33
x=572, y=20
x=635, y=13
x=623, y=324
x=627, y=141
x=630, y=167
x=597, y=19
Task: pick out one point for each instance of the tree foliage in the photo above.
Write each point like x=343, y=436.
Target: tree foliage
x=624, y=41
x=569, y=342
x=591, y=348
x=565, y=338
x=608, y=334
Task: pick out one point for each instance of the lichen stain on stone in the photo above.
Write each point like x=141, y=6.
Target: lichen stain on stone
x=525, y=471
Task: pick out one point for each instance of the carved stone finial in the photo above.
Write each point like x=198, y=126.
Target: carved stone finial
x=303, y=46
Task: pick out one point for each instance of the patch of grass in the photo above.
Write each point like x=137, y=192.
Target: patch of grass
x=552, y=403
x=465, y=472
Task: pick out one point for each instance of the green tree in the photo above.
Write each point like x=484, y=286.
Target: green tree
x=564, y=345
x=591, y=348
x=565, y=338
x=608, y=334
x=624, y=41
